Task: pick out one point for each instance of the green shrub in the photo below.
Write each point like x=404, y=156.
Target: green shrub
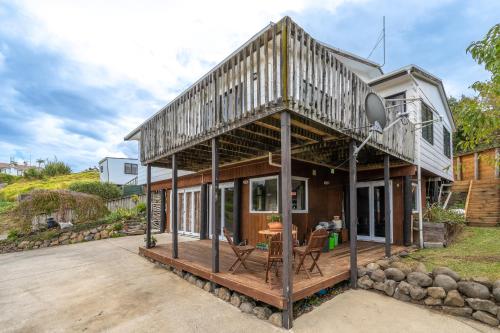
x=13, y=235
x=85, y=207
x=438, y=214
x=141, y=207
x=56, y=168
x=106, y=191
x=33, y=173
x=6, y=206
x=8, y=179
x=117, y=226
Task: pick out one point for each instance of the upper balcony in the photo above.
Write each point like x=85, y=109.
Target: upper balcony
x=280, y=68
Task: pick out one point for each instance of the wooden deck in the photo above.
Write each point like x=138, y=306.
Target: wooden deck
x=195, y=258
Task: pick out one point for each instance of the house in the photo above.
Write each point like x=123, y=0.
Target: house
x=285, y=113
x=119, y=171
x=14, y=169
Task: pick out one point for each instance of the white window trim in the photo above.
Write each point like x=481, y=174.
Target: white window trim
x=417, y=198
x=250, y=199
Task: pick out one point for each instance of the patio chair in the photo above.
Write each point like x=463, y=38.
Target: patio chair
x=295, y=235
x=274, y=254
x=313, y=249
x=241, y=251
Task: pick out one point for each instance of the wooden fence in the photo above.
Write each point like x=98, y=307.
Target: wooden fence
x=125, y=202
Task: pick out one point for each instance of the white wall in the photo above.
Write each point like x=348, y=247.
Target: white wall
x=157, y=174
x=432, y=156
x=114, y=170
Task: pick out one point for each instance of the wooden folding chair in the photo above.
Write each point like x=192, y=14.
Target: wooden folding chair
x=241, y=251
x=274, y=254
x=313, y=249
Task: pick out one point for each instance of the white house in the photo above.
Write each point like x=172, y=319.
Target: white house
x=13, y=169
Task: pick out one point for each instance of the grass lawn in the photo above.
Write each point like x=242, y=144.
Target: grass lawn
x=11, y=191
x=475, y=252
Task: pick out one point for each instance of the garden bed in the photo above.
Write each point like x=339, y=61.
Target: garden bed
x=440, y=234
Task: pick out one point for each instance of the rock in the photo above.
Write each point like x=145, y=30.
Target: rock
x=93, y=231
x=419, y=279
x=362, y=271
x=246, y=307
x=23, y=244
x=462, y=312
x=402, y=267
x=378, y=275
x=485, y=318
x=404, y=287
x=444, y=281
x=365, y=282
x=484, y=281
x=496, y=294
x=496, y=284
x=390, y=287
x=63, y=237
x=38, y=243
x=417, y=293
x=394, y=258
x=482, y=305
x=200, y=283
x=380, y=286
x=224, y=294
x=431, y=301
x=394, y=274
x=454, y=299
x=372, y=266
x=104, y=234
x=66, y=242
x=86, y=233
x=73, y=235
x=420, y=267
x=262, y=312
x=436, y=292
x=446, y=271
x=400, y=295
x=473, y=289
x=79, y=238
x=89, y=237
x=404, y=254
x=276, y=319
x=97, y=236
x=235, y=300
x=207, y=286
x=383, y=263
x=54, y=243
x=192, y=279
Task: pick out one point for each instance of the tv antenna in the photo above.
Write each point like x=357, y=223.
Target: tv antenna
x=380, y=39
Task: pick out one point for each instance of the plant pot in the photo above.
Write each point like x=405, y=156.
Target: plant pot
x=275, y=226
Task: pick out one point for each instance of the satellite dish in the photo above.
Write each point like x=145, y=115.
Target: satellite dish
x=375, y=110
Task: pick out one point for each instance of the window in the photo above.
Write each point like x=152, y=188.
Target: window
x=299, y=195
x=130, y=169
x=427, y=126
x=396, y=103
x=446, y=143
x=101, y=168
x=264, y=195
x=414, y=197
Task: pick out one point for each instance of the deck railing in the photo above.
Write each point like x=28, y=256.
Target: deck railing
x=282, y=67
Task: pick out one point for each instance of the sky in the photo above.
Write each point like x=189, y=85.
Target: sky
x=77, y=76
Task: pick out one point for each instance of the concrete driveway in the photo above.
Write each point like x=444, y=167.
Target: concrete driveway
x=105, y=286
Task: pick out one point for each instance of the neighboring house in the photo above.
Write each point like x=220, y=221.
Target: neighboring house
x=14, y=169
x=119, y=171
x=283, y=92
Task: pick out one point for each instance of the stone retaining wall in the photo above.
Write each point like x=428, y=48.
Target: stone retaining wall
x=441, y=289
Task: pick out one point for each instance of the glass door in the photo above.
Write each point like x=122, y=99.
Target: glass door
x=371, y=211
x=188, y=211
x=226, y=195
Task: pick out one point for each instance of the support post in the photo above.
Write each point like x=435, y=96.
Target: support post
x=286, y=207
x=459, y=168
x=353, y=214
x=163, y=213
x=175, y=220
x=148, y=204
x=387, y=208
x=213, y=209
x=497, y=162
x=237, y=211
x=408, y=207
x=203, y=212
x=476, y=166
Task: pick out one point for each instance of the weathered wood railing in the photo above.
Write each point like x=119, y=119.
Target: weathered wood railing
x=281, y=67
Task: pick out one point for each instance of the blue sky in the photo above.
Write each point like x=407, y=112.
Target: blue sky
x=76, y=77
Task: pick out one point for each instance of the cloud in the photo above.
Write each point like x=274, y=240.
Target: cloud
x=75, y=77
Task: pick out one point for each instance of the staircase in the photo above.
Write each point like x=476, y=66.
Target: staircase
x=483, y=201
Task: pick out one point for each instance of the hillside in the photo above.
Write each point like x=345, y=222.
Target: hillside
x=10, y=192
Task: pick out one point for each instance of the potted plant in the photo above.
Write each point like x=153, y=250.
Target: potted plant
x=274, y=222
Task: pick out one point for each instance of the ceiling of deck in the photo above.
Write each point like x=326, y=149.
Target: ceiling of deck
x=311, y=142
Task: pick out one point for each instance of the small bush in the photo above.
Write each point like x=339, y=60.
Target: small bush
x=117, y=226
x=13, y=235
x=106, y=191
x=6, y=206
x=8, y=179
x=141, y=207
x=56, y=168
x=33, y=173
x=438, y=214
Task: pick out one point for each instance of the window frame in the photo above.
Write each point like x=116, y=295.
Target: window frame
x=131, y=165
x=446, y=143
x=429, y=127
x=250, y=199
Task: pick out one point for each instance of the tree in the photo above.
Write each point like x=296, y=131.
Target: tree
x=478, y=117
x=40, y=162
